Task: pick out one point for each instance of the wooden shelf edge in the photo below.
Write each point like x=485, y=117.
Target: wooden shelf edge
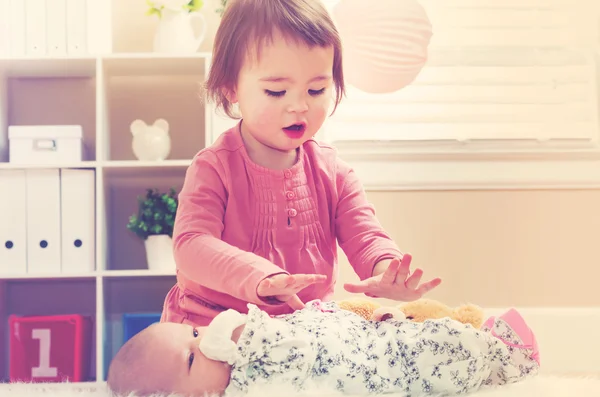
x=113, y=164
x=125, y=273
x=107, y=56
x=48, y=276
x=14, y=166
x=136, y=273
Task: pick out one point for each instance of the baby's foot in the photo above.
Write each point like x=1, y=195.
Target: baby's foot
x=514, y=332
x=386, y=312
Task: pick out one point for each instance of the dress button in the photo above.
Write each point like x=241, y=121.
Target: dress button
x=287, y=174
x=289, y=195
x=292, y=213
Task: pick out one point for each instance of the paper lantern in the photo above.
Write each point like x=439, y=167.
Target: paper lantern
x=385, y=42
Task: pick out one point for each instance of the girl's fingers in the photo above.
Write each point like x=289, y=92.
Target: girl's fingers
x=413, y=281
x=309, y=279
x=404, y=269
x=287, y=285
x=428, y=286
x=391, y=272
x=363, y=286
x=295, y=302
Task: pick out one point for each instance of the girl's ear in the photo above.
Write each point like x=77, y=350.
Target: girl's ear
x=230, y=95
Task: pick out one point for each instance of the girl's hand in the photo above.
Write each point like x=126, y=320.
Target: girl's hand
x=285, y=288
x=395, y=283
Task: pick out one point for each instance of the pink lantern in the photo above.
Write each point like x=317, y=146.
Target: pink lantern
x=385, y=42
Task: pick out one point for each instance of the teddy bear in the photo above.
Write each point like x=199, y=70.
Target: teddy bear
x=418, y=311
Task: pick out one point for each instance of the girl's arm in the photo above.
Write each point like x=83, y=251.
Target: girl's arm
x=359, y=233
x=199, y=252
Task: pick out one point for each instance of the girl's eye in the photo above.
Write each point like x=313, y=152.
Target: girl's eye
x=316, y=92
x=190, y=360
x=195, y=333
x=275, y=93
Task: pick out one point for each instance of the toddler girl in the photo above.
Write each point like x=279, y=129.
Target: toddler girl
x=261, y=209
x=323, y=347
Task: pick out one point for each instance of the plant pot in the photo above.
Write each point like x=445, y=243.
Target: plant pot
x=159, y=252
x=175, y=32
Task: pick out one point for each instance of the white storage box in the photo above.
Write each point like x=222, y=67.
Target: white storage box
x=45, y=144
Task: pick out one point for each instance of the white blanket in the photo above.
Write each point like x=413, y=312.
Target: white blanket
x=542, y=386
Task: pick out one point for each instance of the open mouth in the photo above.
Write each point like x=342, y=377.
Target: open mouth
x=295, y=130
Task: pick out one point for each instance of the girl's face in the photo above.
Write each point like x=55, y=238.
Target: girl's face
x=176, y=363
x=285, y=95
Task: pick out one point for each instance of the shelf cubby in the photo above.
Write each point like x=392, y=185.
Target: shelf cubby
x=138, y=87
x=39, y=297
x=130, y=294
x=125, y=250
x=44, y=92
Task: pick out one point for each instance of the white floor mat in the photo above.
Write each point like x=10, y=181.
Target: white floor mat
x=540, y=386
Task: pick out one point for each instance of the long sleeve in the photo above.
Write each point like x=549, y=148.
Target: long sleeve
x=200, y=253
x=359, y=233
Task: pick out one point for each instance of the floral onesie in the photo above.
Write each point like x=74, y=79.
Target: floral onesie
x=327, y=347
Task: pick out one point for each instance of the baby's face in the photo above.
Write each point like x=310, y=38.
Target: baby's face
x=176, y=358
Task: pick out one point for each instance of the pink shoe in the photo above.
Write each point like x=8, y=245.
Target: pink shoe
x=514, y=332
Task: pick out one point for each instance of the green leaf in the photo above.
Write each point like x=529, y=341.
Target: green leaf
x=154, y=11
x=156, y=213
x=194, y=5
x=221, y=9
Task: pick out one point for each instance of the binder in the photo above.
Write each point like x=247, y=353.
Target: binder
x=35, y=27
x=78, y=227
x=43, y=221
x=13, y=227
x=16, y=19
x=76, y=27
x=56, y=14
x=4, y=28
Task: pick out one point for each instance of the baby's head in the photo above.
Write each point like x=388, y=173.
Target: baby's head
x=280, y=61
x=165, y=358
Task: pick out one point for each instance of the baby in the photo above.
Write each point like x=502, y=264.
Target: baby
x=326, y=347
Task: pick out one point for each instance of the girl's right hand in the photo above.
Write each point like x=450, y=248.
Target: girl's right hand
x=285, y=287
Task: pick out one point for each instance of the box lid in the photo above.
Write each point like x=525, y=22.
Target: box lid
x=44, y=131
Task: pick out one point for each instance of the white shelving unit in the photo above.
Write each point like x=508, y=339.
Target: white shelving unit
x=104, y=93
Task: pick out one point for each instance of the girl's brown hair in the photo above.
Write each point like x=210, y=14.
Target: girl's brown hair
x=248, y=24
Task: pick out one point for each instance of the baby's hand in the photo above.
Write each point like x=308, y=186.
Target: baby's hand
x=285, y=288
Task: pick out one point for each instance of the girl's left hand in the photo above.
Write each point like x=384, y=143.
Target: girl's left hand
x=395, y=283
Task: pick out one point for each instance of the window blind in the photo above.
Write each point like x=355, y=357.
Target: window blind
x=497, y=70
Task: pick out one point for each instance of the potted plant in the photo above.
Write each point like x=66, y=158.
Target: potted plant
x=221, y=9
x=157, y=6
x=175, y=32
x=153, y=223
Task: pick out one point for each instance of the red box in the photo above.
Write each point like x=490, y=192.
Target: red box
x=49, y=348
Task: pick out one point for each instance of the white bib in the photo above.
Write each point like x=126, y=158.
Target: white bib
x=216, y=343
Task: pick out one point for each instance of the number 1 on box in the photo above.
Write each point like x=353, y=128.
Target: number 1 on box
x=44, y=370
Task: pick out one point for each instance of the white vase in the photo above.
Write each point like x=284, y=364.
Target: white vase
x=175, y=32
x=159, y=252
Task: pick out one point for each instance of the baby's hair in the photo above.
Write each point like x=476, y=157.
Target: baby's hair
x=246, y=25
x=126, y=375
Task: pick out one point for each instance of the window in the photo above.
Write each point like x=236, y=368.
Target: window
x=507, y=83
